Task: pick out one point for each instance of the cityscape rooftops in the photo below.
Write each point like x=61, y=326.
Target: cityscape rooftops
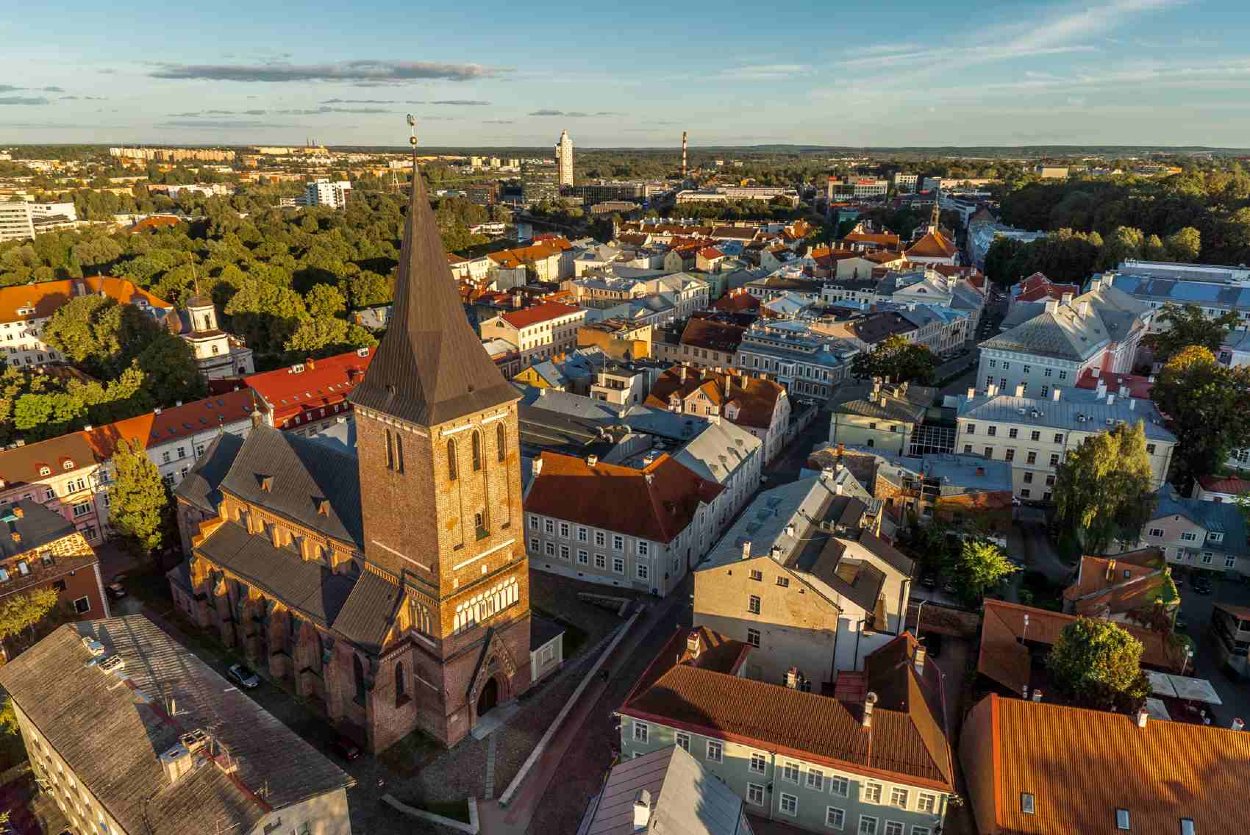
x=112, y=729
x=303, y=388
x=26, y=525
x=539, y=313
x=1075, y=409
x=20, y=302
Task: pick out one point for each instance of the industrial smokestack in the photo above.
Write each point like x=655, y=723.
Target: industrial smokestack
x=683, y=154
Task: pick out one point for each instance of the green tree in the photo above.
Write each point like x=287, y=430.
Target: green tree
x=325, y=301
x=1124, y=243
x=899, y=360
x=1103, y=488
x=1184, y=244
x=96, y=253
x=1187, y=326
x=138, y=499
x=21, y=613
x=979, y=566
x=1097, y=663
x=99, y=334
x=1206, y=406
x=168, y=364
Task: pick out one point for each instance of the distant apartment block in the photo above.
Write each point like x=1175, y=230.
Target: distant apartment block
x=564, y=159
x=325, y=193
x=839, y=188
x=15, y=222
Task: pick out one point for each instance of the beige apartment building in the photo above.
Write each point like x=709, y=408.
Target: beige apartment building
x=880, y=417
x=803, y=579
x=1035, y=435
x=128, y=733
x=539, y=332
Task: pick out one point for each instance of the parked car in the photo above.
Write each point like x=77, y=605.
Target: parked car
x=243, y=677
x=345, y=748
x=115, y=591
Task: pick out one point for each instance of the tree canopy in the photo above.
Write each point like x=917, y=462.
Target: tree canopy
x=1103, y=488
x=1206, y=404
x=21, y=613
x=899, y=360
x=138, y=499
x=1187, y=326
x=1097, y=663
x=978, y=566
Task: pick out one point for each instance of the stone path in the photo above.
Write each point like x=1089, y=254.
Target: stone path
x=490, y=768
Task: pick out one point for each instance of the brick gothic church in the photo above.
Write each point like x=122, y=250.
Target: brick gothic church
x=391, y=588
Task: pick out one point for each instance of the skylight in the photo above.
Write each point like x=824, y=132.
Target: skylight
x=1026, y=803
x=1121, y=819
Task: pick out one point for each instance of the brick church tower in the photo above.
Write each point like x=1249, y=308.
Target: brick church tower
x=440, y=491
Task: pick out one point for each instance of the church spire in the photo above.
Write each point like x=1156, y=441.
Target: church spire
x=430, y=367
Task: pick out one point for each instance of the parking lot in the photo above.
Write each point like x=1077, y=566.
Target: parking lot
x=1196, y=613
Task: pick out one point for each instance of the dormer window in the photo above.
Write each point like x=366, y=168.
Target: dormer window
x=44, y=469
x=67, y=464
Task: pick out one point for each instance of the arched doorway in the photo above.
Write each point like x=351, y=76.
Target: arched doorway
x=489, y=697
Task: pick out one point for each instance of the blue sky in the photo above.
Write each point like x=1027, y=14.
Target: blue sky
x=894, y=72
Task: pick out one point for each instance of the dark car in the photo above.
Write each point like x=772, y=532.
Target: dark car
x=1202, y=585
x=243, y=677
x=115, y=591
x=345, y=748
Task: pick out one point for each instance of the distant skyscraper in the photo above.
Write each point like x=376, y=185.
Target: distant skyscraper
x=564, y=158
x=683, y=154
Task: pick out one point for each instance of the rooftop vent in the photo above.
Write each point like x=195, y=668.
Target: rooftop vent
x=112, y=664
x=694, y=643
x=93, y=646
x=176, y=762
x=870, y=700
x=642, y=810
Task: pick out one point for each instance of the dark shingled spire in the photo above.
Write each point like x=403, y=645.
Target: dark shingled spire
x=430, y=367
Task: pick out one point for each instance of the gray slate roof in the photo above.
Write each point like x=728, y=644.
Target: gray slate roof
x=111, y=734
x=1076, y=410
x=302, y=473
x=430, y=367
x=685, y=798
x=202, y=483
x=35, y=524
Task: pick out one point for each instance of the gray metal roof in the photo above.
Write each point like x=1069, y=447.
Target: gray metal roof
x=111, y=734
x=685, y=799
x=430, y=367
x=1076, y=410
x=201, y=485
x=290, y=475
x=718, y=451
x=33, y=524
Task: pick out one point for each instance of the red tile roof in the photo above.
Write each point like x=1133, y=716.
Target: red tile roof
x=164, y=425
x=1127, y=584
x=155, y=222
x=21, y=465
x=888, y=240
x=712, y=335
x=737, y=301
x=47, y=296
x=1138, y=386
x=1225, y=484
x=898, y=744
x=1006, y=659
x=756, y=399
x=538, y=313
x=322, y=385
x=711, y=253
x=1037, y=287
x=656, y=502
x=934, y=244
x=1080, y=766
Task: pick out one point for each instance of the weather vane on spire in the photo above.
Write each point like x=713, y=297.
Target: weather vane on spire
x=412, y=140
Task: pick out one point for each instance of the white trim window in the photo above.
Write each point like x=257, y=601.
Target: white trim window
x=926, y=802
x=917, y=829
x=867, y=825
x=790, y=772
x=683, y=741
x=715, y=751
x=893, y=828
x=759, y=763
x=835, y=818
x=898, y=797
x=788, y=805
x=839, y=785
x=872, y=794
x=816, y=779
x=755, y=794
x=642, y=732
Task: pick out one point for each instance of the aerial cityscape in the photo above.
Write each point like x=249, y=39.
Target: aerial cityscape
x=852, y=438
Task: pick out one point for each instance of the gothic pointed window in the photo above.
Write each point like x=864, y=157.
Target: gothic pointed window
x=451, y=460
x=401, y=692
x=477, y=450
x=501, y=442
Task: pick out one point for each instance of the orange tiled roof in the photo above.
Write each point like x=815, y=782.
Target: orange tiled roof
x=1127, y=583
x=22, y=464
x=155, y=222
x=1082, y=765
x=656, y=502
x=888, y=240
x=166, y=425
x=711, y=253
x=882, y=256
x=755, y=398
x=900, y=743
x=737, y=301
x=538, y=313
x=1005, y=659
x=933, y=245
x=47, y=296
x=1138, y=386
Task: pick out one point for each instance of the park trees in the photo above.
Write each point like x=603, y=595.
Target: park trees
x=978, y=566
x=1097, y=663
x=1187, y=326
x=1103, y=488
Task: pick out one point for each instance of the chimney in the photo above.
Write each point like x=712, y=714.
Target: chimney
x=972, y=392
x=176, y=762
x=694, y=643
x=1051, y=305
x=1054, y=395
x=1101, y=390
x=1123, y=391
x=1065, y=299
x=746, y=550
x=919, y=658
x=592, y=460
x=1037, y=694
x=1238, y=724
x=991, y=390
x=1143, y=716
x=1110, y=399
x=1082, y=309
x=793, y=678
x=538, y=466
x=869, y=701
x=1019, y=389
x=681, y=373
x=642, y=810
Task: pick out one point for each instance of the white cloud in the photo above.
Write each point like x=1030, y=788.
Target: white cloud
x=765, y=72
